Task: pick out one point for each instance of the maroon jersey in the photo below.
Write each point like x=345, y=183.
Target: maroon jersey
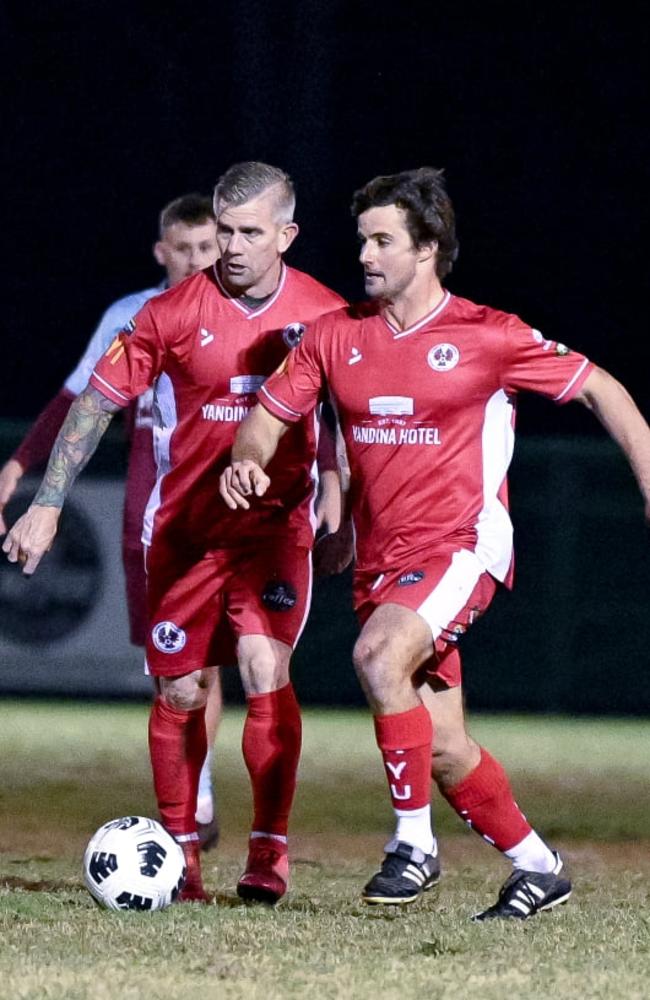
x=427, y=415
x=207, y=354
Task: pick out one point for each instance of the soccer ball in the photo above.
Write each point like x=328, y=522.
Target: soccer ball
x=132, y=863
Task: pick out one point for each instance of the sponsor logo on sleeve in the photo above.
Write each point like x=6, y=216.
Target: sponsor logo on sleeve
x=443, y=357
x=541, y=340
x=129, y=327
x=115, y=351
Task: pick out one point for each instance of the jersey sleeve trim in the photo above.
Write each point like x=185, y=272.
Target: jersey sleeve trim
x=574, y=384
x=277, y=408
x=108, y=390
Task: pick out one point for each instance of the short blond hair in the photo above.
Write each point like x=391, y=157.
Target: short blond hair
x=247, y=180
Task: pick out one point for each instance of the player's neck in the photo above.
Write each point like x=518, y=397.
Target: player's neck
x=411, y=305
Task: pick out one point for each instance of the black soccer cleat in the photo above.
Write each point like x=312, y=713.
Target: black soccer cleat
x=524, y=894
x=405, y=874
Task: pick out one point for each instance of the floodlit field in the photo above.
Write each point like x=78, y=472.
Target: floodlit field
x=68, y=768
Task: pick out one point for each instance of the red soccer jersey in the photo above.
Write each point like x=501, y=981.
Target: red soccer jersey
x=427, y=415
x=208, y=354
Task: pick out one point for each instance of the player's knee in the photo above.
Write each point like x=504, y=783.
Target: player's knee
x=185, y=693
x=263, y=670
x=376, y=664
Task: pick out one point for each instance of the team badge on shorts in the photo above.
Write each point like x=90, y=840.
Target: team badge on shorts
x=292, y=334
x=413, y=576
x=168, y=638
x=278, y=595
x=443, y=357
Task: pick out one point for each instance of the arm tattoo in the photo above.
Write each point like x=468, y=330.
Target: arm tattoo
x=81, y=432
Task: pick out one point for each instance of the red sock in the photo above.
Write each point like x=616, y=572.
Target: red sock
x=177, y=745
x=271, y=743
x=484, y=800
x=405, y=741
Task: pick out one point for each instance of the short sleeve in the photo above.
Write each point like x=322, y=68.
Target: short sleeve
x=295, y=388
x=133, y=360
x=108, y=328
x=531, y=363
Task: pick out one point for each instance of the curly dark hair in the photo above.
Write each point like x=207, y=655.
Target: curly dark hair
x=429, y=211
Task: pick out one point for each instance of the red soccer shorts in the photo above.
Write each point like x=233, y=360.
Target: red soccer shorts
x=448, y=588
x=199, y=607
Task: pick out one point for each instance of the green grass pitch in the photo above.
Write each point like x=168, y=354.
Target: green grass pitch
x=67, y=768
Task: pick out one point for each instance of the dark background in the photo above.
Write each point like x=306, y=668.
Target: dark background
x=539, y=119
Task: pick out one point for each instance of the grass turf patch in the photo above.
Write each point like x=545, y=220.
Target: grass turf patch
x=69, y=767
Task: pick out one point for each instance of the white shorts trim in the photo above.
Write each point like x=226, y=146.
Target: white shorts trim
x=452, y=592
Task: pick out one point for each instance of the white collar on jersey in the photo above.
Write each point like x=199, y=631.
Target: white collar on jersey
x=444, y=302
x=252, y=313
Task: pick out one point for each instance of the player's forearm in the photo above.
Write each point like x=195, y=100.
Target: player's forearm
x=258, y=437
x=81, y=432
x=619, y=415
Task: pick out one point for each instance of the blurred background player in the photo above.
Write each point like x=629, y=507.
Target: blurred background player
x=215, y=587
x=425, y=384
x=186, y=244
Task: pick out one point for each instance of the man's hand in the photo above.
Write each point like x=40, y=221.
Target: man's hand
x=32, y=536
x=334, y=553
x=10, y=475
x=329, y=503
x=240, y=480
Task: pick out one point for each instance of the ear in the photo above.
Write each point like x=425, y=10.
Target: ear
x=158, y=250
x=427, y=251
x=287, y=235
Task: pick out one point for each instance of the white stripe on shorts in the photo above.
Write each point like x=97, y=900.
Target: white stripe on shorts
x=453, y=591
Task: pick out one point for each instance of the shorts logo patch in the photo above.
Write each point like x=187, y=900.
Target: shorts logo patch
x=292, y=334
x=168, y=638
x=413, y=576
x=278, y=595
x=443, y=357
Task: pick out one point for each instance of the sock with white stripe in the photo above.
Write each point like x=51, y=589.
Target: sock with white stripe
x=177, y=745
x=484, y=800
x=204, y=801
x=405, y=740
x=414, y=827
x=532, y=855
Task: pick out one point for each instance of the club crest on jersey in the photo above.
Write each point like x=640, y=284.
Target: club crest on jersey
x=413, y=576
x=168, y=638
x=292, y=334
x=278, y=595
x=562, y=350
x=443, y=357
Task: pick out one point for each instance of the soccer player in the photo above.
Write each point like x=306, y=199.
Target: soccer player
x=186, y=244
x=425, y=384
x=216, y=586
